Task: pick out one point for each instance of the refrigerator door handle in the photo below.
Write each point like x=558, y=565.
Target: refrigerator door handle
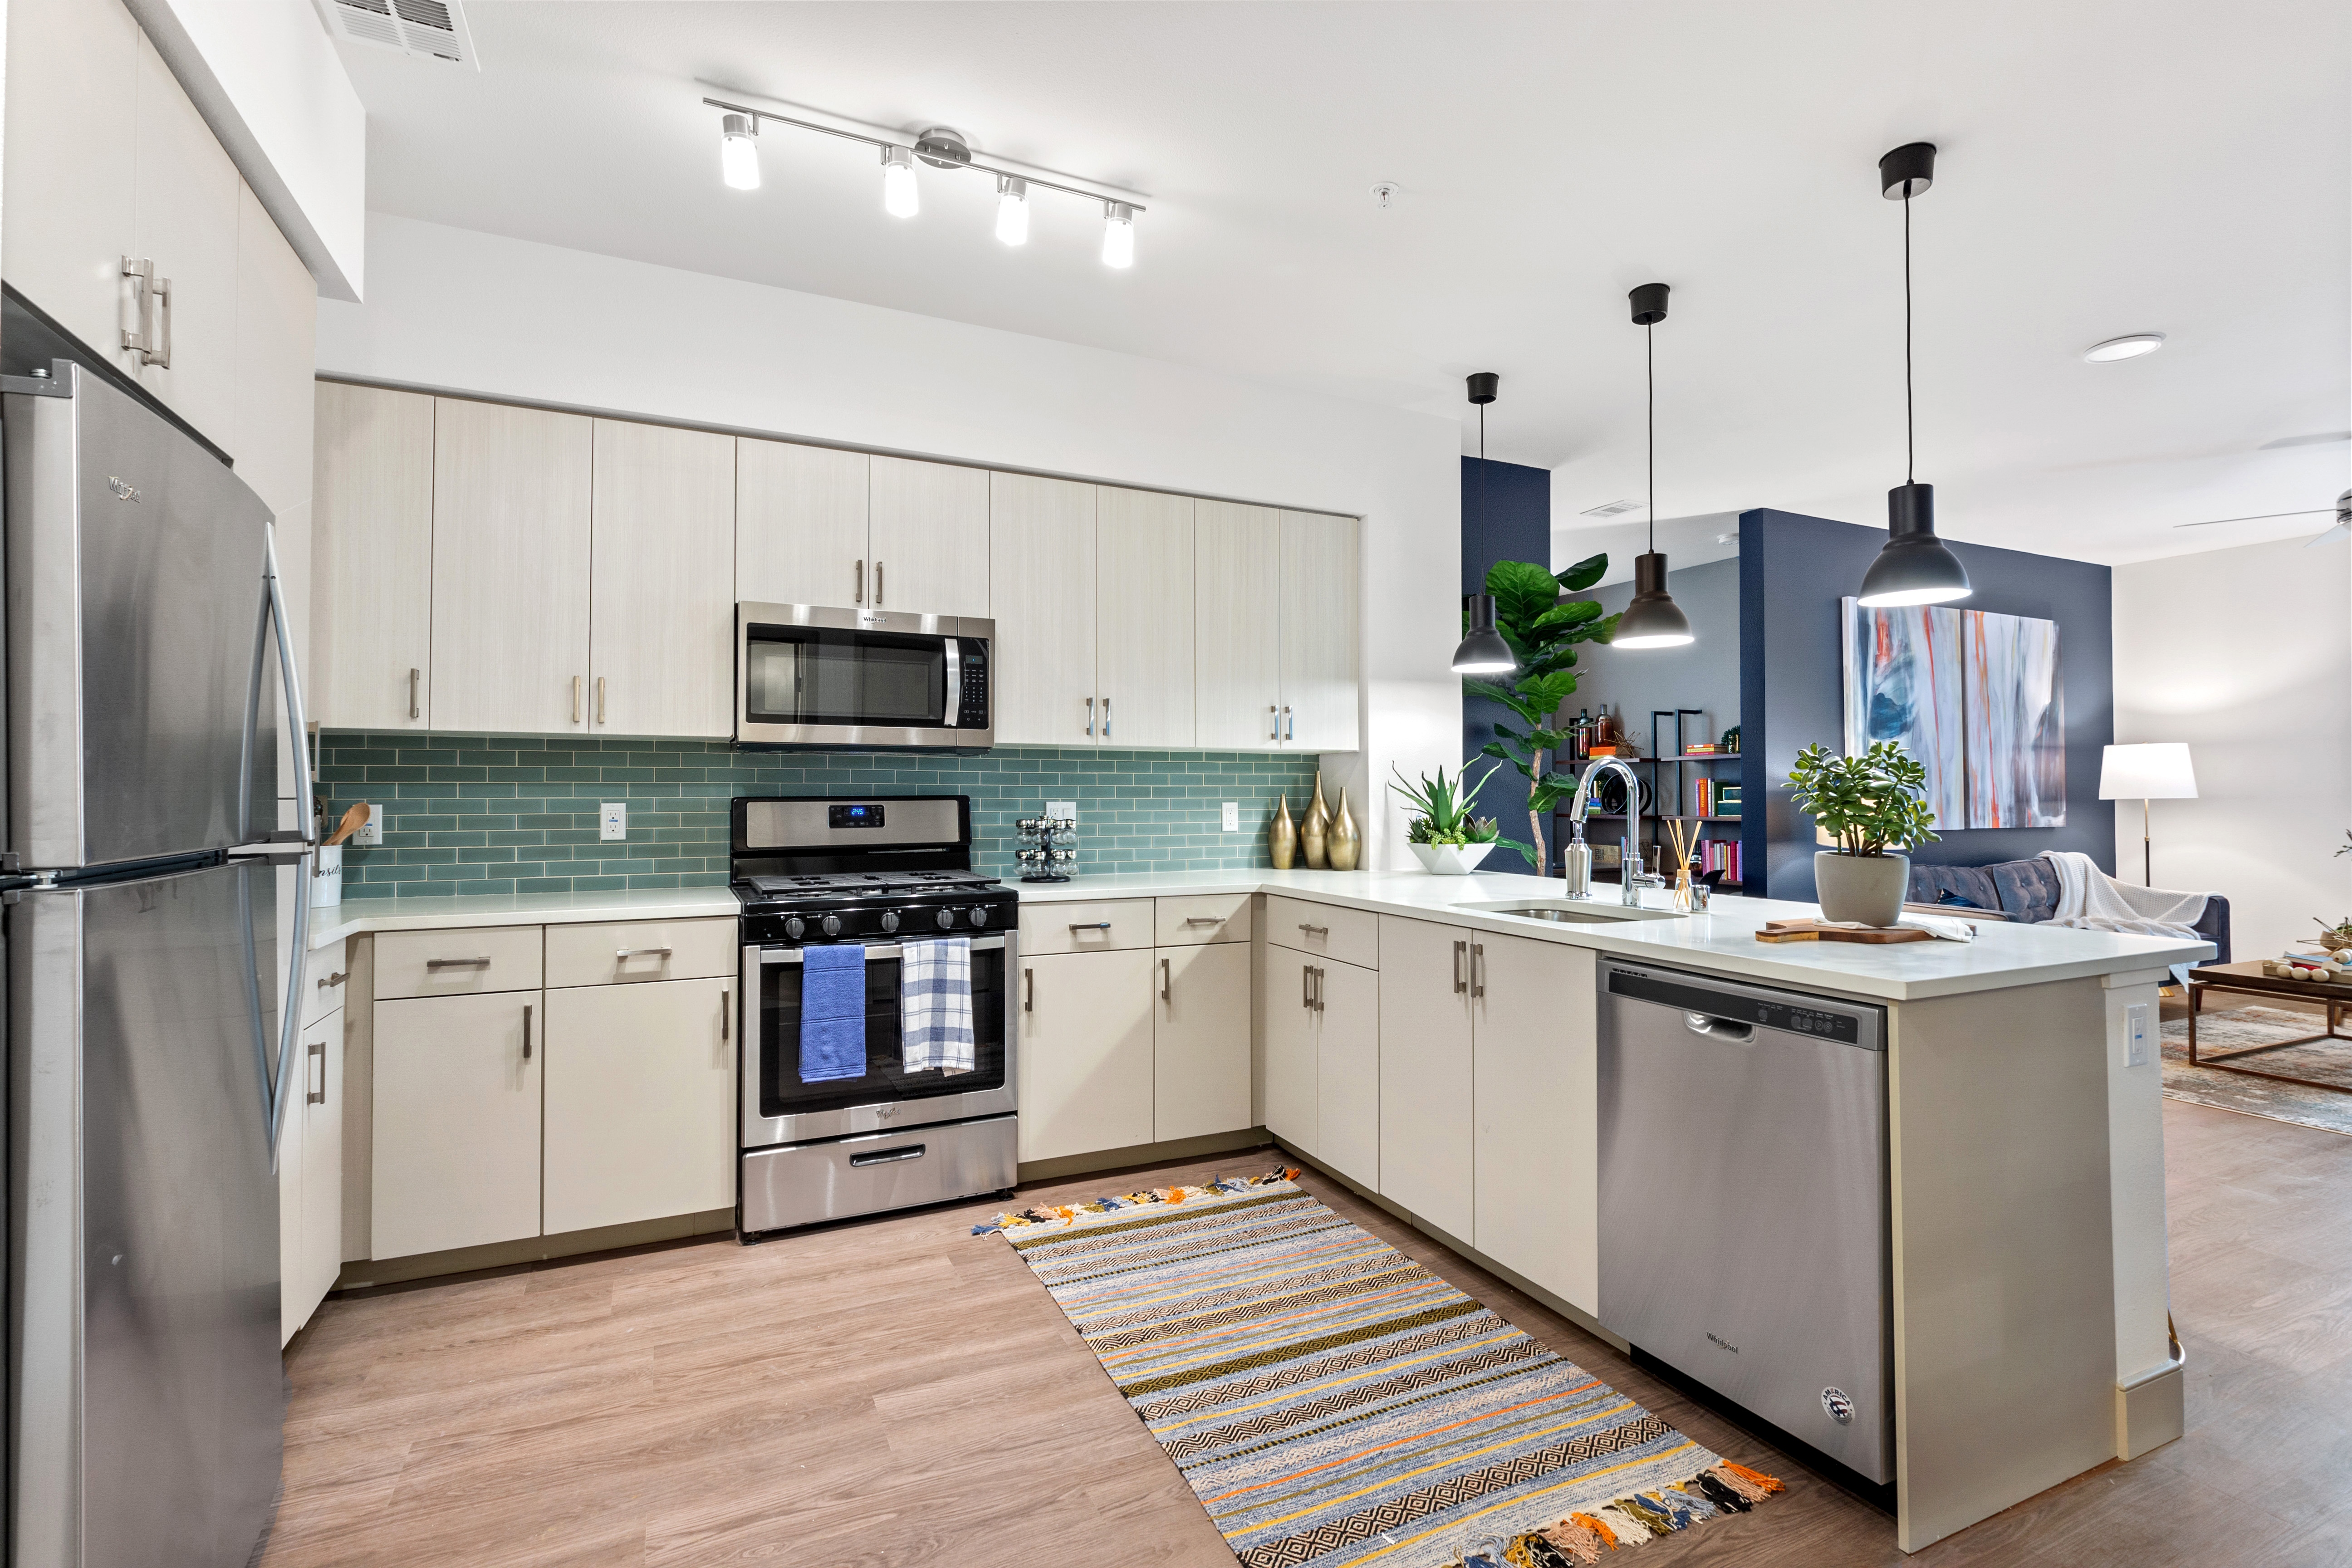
x=279, y=1086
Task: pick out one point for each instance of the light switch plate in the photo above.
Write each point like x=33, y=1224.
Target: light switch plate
x=1068, y=808
x=613, y=819
x=371, y=830
x=1232, y=816
x=2136, y=1034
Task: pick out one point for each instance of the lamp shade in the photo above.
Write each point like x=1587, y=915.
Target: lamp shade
x=2158, y=771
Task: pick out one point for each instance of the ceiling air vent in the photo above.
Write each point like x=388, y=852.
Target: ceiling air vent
x=423, y=29
x=1612, y=509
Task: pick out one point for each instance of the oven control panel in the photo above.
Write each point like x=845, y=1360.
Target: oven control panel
x=880, y=922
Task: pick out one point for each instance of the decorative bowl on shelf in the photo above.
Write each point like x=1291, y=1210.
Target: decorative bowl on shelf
x=1449, y=859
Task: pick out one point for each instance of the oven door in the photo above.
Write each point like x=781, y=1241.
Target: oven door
x=778, y=1108
x=807, y=676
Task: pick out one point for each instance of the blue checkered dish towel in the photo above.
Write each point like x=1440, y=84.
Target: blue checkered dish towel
x=935, y=1004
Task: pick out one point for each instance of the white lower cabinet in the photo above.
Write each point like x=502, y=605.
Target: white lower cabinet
x=1200, y=1040
x=1086, y=1069
x=1288, y=1007
x=1323, y=1060
x=640, y=1083
x=1538, y=1096
x=310, y=1176
x=456, y=1157
x=1426, y=982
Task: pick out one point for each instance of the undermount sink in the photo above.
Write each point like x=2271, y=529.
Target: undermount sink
x=1570, y=911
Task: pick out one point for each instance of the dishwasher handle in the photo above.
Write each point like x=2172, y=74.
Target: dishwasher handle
x=1730, y=1029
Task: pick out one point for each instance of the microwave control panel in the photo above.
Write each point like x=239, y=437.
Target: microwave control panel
x=972, y=712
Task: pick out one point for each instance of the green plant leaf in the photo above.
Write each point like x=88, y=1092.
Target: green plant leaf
x=1585, y=573
x=1569, y=613
x=1522, y=592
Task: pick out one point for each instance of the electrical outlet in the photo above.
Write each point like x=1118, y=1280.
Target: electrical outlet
x=1232, y=816
x=613, y=819
x=371, y=830
x=1068, y=808
x=2136, y=1034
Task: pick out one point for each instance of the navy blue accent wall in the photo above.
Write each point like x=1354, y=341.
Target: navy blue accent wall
x=1506, y=516
x=1792, y=571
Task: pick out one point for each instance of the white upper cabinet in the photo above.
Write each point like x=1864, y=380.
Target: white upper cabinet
x=800, y=523
x=1042, y=566
x=510, y=569
x=185, y=224
x=1321, y=587
x=663, y=581
x=1237, y=642
x=72, y=152
x=1143, y=617
x=372, y=564
x=928, y=528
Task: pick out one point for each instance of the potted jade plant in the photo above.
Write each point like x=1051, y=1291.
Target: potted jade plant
x=1445, y=837
x=1874, y=805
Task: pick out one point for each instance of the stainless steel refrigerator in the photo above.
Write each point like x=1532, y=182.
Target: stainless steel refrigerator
x=150, y=1020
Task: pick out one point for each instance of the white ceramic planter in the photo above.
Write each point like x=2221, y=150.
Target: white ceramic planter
x=1865, y=888
x=1449, y=859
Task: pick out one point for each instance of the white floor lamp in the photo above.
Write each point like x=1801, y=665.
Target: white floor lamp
x=2158, y=771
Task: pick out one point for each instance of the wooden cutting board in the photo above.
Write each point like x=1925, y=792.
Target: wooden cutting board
x=1814, y=930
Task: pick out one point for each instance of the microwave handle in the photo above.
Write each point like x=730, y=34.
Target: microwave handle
x=955, y=686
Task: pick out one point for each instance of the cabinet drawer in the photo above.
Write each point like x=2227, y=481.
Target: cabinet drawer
x=460, y=962
x=326, y=976
x=654, y=950
x=1084, y=928
x=1351, y=936
x=1205, y=916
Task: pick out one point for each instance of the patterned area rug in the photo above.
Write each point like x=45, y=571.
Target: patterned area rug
x=2227, y=1028
x=1332, y=1402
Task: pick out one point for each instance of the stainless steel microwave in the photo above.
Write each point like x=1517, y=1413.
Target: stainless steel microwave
x=810, y=676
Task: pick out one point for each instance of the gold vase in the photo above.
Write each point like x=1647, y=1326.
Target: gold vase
x=1314, y=831
x=1282, y=836
x=1343, y=845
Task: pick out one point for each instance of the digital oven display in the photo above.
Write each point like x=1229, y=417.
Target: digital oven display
x=861, y=814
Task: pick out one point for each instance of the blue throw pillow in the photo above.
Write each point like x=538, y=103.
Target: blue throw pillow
x=1954, y=901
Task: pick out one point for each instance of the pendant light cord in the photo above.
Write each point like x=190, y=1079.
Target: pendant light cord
x=1910, y=454
x=1650, y=349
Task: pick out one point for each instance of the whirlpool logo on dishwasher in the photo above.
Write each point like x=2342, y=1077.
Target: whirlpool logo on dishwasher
x=1726, y=1345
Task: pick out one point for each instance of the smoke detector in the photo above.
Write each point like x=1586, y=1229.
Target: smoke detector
x=421, y=29
x=1612, y=509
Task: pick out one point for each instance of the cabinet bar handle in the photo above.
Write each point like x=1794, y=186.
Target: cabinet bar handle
x=415, y=677
x=1163, y=980
x=1477, y=969
x=1319, y=988
x=1094, y=925
x=1315, y=930
x=599, y=699
x=1274, y=719
x=1461, y=951
x=878, y=582
x=318, y=1053
x=623, y=955
x=725, y=1020
x=575, y=700
x=1306, y=986
x=858, y=597
x=1106, y=718
x=481, y=963
x=162, y=358
x=526, y=1031
x=1289, y=725
x=1028, y=991
x=1090, y=716
x=142, y=272
x=334, y=980
x=1204, y=920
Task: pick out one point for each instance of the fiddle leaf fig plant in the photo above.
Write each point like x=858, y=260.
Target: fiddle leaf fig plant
x=1869, y=803
x=1542, y=625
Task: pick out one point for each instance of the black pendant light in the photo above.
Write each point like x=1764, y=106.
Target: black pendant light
x=1914, y=568
x=1484, y=651
x=1652, y=618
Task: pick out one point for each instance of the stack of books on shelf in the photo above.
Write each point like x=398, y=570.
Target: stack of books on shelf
x=1716, y=797
x=1720, y=854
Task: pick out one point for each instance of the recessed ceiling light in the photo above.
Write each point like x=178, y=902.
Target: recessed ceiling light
x=2131, y=346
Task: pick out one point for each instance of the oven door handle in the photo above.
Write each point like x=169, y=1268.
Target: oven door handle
x=874, y=950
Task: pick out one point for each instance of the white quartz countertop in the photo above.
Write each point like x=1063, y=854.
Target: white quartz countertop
x=1722, y=941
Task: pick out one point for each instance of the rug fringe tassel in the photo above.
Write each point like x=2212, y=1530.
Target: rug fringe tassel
x=1052, y=1214
x=1580, y=1540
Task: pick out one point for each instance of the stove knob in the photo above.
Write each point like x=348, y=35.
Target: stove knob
x=947, y=919
x=833, y=925
x=794, y=926
x=980, y=917
x=889, y=920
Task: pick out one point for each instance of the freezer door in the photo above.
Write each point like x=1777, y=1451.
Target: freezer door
x=135, y=621
x=1744, y=1200
x=146, y=1311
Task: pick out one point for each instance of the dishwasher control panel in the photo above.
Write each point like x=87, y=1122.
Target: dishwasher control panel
x=1820, y=1023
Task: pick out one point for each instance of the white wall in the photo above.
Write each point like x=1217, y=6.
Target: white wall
x=456, y=310
x=2245, y=654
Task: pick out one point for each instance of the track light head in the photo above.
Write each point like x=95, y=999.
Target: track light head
x=1012, y=209
x=738, y=152
x=1118, y=234
x=900, y=198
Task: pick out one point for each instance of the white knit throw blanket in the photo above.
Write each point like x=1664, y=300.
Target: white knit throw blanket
x=2090, y=899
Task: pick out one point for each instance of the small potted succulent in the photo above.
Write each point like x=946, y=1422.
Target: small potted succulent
x=1445, y=837
x=1874, y=807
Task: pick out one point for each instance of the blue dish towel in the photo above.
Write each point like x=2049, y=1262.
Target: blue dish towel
x=935, y=1004
x=832, y=1013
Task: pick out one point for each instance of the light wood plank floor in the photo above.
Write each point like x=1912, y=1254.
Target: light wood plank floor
x=898, y=1392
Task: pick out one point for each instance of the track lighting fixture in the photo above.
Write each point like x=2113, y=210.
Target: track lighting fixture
x=941, y=147
x=1652, y=618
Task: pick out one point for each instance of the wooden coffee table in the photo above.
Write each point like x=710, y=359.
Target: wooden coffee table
x=2248, y=979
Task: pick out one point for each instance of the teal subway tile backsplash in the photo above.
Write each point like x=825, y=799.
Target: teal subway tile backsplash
x=517, y=813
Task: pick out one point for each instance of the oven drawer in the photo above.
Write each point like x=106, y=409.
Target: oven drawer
x=456, y=963
x=1200, y=918
x=621, y=953
x=1086, y=928
x=801, y=1183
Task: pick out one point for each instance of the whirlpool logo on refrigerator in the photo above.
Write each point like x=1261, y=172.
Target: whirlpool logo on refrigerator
x=1726, y=1345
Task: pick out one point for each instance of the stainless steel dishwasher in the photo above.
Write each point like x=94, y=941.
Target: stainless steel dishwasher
x=1744, y=1200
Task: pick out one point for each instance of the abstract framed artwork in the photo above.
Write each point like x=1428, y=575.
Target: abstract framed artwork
x=1974, y=697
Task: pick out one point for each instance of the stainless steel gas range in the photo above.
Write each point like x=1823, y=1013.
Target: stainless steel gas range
x=879, y=874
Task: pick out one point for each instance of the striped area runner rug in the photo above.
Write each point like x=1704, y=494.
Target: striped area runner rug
x=1334, y=1403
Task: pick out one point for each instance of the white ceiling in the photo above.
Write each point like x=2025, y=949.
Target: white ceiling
x=2108, y=166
